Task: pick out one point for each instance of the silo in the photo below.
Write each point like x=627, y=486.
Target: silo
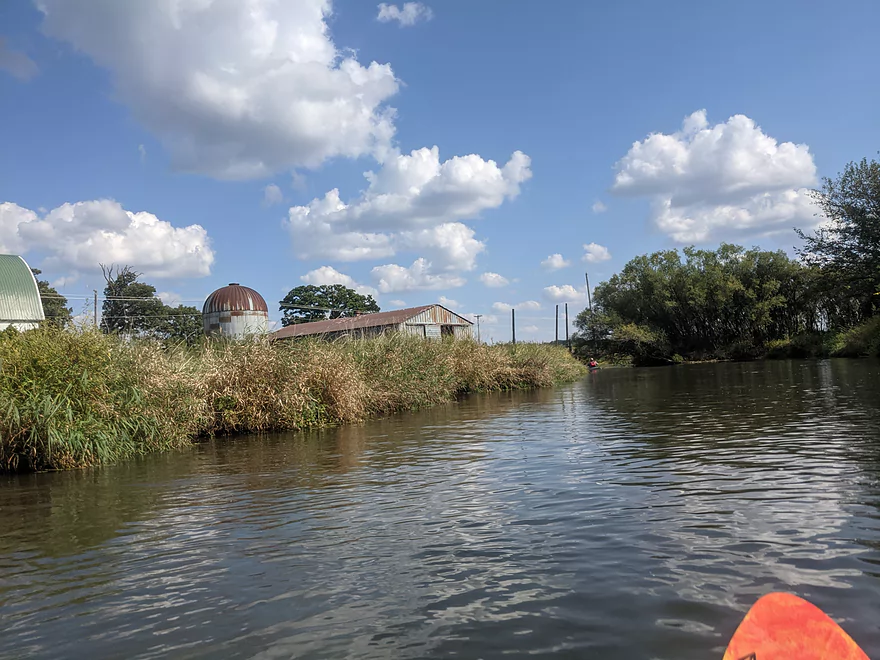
x=235, y=311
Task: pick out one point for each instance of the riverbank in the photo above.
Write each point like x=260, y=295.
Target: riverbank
x=642, y=347
x=75, y=399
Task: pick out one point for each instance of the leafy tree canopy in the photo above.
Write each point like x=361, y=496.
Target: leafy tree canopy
x=847, y=246
x=55, y=307
x=131, y=307
x=341, y=299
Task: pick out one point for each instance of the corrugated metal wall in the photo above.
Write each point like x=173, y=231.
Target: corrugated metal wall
x=437, y=315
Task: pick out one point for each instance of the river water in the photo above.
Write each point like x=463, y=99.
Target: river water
x=634, y=514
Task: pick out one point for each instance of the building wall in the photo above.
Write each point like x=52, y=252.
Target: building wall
x=236, y=324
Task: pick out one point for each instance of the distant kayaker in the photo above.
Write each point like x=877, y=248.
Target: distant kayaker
x=593, y=364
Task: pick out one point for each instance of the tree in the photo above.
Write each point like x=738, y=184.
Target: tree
x=342, y=300
x=847, y=247
x=181, y=323
x=55, y=307
x=130, y=307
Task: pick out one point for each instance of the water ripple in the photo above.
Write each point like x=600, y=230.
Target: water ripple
x=636, y=514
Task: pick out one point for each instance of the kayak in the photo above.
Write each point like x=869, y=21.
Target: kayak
x=784, y=627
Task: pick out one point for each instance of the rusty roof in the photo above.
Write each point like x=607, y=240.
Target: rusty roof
x=235, y=298
x=352, y=323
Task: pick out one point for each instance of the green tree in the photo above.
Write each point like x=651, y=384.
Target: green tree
x=341, y=299
x=130, y=307
x=847, y=247
x=181, y=323
x=55, y=307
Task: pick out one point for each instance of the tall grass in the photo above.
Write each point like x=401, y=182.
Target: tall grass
x=72, y=399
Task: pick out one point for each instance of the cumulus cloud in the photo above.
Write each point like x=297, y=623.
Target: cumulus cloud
x=707, y=182
x=494, y=280
x=555, y=262
x=530, y=305
x=599, y=207
x=407, y=15
x=76, y=237
x=564, y=293
x=447, y=302
x=272, y=195
x=397, y=303
x=169, y=298
x=595, y=253
x=16, y=64
x=254, y=87
x=392, y=278
x=327, y=275
x=413, y=202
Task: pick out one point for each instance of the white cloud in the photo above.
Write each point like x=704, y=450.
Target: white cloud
x=555, y=262
x=407, y=15
x=595, y=253
x=451, y=244
x=485, y=319
x=529, y=305
x=326, y=275
x=530, y=329
x=494, y=280
x=397, y=303
x=414, y=202
x=76, y=237
x=16, y=64
x=447, y=302
x=272, y=195
x=599, y=207
x=169, y=298
x=564, y=293
x=234, y=89
x=392, y=278
x=142, y=151
x=298, y=181
x=708, y=182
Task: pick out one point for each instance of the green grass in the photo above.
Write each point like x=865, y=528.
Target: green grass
x=74, y=399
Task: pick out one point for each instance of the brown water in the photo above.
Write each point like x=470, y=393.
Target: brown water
x=635, y=514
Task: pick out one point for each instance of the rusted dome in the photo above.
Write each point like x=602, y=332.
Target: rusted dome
x=235, y=298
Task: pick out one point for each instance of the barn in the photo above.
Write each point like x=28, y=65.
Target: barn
x=427, y=321
x=20, y=304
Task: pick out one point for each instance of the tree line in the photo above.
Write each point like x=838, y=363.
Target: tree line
x=734, y=302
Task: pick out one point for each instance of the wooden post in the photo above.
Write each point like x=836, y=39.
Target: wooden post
x=513, y=325
x=567, y=342
x=95, y=291
x=557, y=324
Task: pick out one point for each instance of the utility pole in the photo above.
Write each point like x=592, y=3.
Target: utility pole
x=513, y=325
x=477, y=316
x=567, y=342
x=557, y=323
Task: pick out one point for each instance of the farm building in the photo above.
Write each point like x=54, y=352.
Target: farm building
x=428, y=321
x=20, y=304
x=235, y=311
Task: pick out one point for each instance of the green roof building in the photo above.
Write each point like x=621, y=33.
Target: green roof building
x=20, y=304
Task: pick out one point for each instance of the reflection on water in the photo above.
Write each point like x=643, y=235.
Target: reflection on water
x=635, y=514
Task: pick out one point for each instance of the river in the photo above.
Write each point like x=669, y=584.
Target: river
x=634, y=514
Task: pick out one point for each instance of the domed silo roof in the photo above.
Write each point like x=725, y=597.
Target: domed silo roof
x=235, y=298
x=20, y=303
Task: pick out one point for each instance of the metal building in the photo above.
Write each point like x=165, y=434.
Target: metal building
x=235, y=311
x=20, y=304
x=427, y=321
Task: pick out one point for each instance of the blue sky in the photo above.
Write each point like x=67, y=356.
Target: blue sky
x=134, y=134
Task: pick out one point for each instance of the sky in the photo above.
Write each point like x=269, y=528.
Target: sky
x=483, y=155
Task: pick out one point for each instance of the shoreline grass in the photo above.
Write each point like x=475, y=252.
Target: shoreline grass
x=71, y=399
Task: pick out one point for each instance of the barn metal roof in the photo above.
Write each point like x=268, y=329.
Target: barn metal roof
x=394, y=317
x=19, y=295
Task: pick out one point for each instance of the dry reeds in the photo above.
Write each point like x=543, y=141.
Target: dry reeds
x=71, y=399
